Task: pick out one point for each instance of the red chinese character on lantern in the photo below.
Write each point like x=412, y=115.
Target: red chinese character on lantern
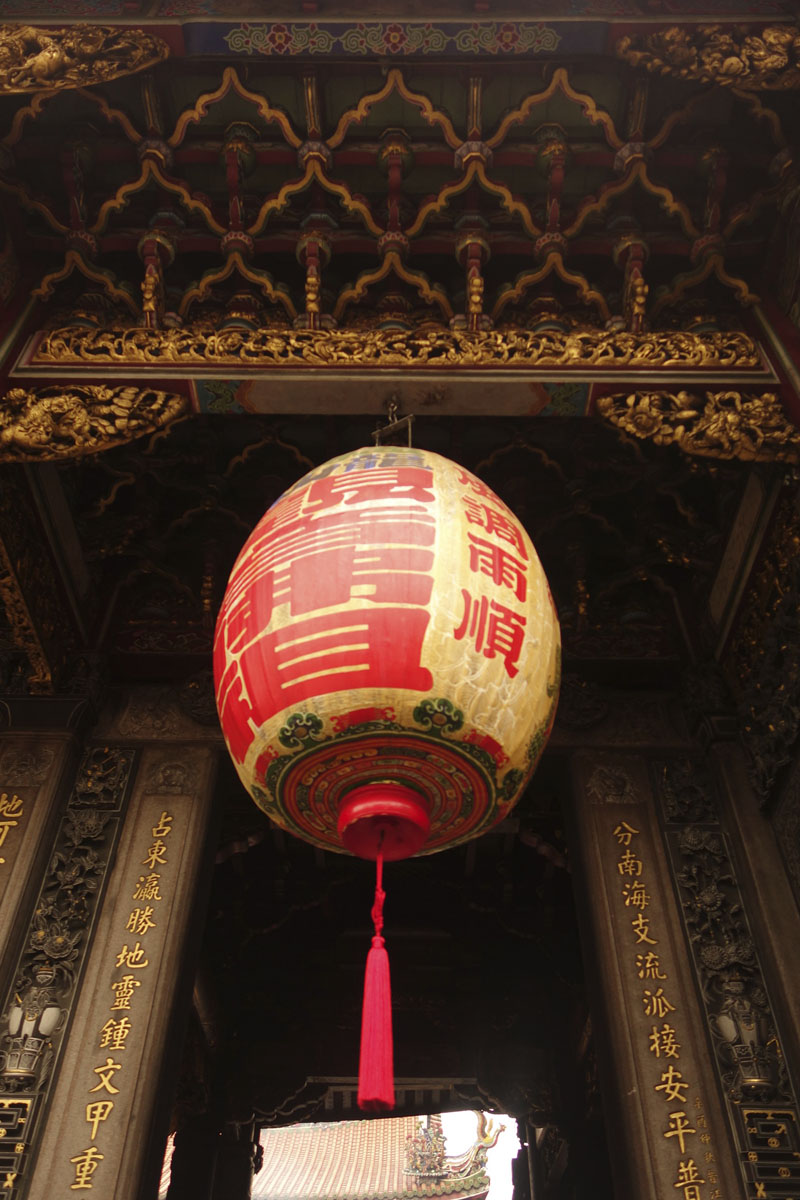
x=486, y=558
x=309, y=558
x=329, y=653
x=476, y=485
x=493, y=520
x=364, y=487
x=287, y=547
x=494, y=629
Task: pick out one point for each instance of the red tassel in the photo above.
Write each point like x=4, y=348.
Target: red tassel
x=376, y=1068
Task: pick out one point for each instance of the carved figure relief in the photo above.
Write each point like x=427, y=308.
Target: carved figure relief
x=33, y=59
x=730, y=55
x=431, y=348
x=612, y=783
x=56, y=422
x=20, y=767
x=150, y=713
x=58, y=936
x=717, y=425
x=171, y=777
x=740, y=1021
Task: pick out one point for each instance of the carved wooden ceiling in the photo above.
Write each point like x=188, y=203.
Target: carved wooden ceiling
x=254, y=194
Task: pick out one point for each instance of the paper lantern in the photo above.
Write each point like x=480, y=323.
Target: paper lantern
x=387, y=661
x=388, y=621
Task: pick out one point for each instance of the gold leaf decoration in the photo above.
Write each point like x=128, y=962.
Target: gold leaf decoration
x=716, y=425
x=68, y=422
x=33, y=59
x=430, y=349
x=726, y=54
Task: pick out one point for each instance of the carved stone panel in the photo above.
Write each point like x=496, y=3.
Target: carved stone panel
x=36, y=1012
x=761, y=1104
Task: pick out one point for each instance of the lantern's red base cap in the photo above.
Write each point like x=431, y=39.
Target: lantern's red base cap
x=384, y=818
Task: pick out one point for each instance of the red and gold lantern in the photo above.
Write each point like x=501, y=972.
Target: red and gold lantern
x=387, y=656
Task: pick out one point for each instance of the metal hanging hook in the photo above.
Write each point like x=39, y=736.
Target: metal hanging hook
x=395, y=425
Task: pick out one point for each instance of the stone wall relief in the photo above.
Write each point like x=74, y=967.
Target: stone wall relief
x=45, y=981
x=757, y=1090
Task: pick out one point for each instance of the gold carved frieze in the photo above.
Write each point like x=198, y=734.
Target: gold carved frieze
x=66, y=422
x=724, y=424
x=438, y=349
x=33, y=59
x=726, y=54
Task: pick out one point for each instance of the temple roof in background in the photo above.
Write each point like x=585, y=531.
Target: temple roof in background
x=356, y=1160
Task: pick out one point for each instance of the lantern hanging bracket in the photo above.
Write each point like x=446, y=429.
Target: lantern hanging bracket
x=396, y=425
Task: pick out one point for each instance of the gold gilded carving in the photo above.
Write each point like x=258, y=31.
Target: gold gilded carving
x=559, y=82
x=430, y=348
x=394, y=80
x=64, y=422
x=232, y=82
x=715, y=425
x=36, y=60
x=725, y=54
x=553, y=264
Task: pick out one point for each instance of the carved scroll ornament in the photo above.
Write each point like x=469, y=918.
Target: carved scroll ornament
x=725, y=54
x=69, y=422
x=33, y=59
x=440, y=349
x=716, y=425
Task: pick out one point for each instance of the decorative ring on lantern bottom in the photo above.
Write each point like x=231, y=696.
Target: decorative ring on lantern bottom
x=383, y=818
x=456, y=780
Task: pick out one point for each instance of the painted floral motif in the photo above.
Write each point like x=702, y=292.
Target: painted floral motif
x=308, y=38
x=393, y=38
x=512, y=37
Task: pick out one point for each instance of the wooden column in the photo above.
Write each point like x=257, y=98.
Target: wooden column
x=667, y=1131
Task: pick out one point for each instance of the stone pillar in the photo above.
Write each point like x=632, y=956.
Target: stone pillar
x=105, y=1122
x=668, y=1134
x=38, y=751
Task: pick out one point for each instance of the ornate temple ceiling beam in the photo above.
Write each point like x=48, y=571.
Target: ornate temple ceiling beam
x=725, y=424
x=33, y=59
x=57, y=422
x=734, y=56
x=439, y=349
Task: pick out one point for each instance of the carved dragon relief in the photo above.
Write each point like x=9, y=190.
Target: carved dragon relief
x=62, y=422
x=431, y=348
x=33, y=59
x=729, y=55
x=729, y=425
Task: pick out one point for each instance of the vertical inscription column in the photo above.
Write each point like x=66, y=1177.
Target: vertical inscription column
x=668, y=1135
x=106, y=1098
